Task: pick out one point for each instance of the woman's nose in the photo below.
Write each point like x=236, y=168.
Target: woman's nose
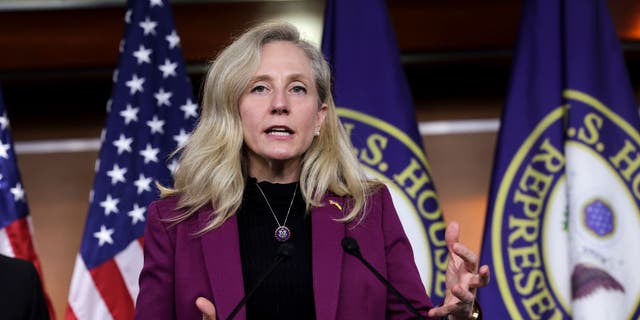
x=279, y=103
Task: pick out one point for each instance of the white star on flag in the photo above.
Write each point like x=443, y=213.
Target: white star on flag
x=18, y=192
x=123, y=144
x=110, y=205
x=163, y=97
x=155, y=125
x=135, y=84
x=117, y=174
x=104, y=235
x=173, y=166
x=137, y=214
x=129, y=114
x=143, y=55
x=189, y=109
x=168, y=68
x=4, y=121
x=143, y=184
x=137, y=144
x=181, y=138
x=173, y=39
x=150, y=154
x=127, y=16
x=4, y=147
x=149, y=26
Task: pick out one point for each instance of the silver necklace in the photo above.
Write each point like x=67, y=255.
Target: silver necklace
x=282, y=233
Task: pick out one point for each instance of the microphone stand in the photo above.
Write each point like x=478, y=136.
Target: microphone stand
x=285, y=251
x=350, y=246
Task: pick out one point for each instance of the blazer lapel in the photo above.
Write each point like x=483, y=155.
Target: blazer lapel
x=221, y=251
x=327, y=255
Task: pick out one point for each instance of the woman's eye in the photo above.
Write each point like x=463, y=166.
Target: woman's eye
x=259, y=89
x=299, y=89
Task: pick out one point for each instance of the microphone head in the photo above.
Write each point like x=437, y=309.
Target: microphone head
x=286, y=250
x=350, y=246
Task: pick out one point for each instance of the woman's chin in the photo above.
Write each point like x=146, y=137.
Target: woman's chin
x=283, y=157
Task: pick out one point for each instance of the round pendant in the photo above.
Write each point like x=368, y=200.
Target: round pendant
x=282, y=233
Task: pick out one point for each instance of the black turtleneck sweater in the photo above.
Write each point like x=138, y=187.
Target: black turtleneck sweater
x=287, y=293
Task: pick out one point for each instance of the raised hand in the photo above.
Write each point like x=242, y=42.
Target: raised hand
x=462, y=280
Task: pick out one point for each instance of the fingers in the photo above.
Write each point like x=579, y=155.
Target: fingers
x=469, y=257
x=452, y=238
x=461, y=306
x=465, y=296
x=440, y=312
x=480, y=279
x=452, y=234
x=485, y=275
x=457, y=308
x=207, y=308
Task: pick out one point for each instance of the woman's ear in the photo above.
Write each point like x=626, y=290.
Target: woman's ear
x=322, y=114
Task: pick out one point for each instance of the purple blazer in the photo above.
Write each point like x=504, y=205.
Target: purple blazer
x=179, y=267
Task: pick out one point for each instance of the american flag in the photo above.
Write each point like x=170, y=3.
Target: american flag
x=16, y=238
x=151, y=112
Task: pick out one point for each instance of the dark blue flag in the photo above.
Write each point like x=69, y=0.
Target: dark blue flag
x=564, y=207
x=376, y=109
x=151, y=112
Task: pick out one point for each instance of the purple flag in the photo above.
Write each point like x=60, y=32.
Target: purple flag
x=565, y=196
x=376, y=109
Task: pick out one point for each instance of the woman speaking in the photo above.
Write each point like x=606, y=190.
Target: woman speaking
x=270, y=164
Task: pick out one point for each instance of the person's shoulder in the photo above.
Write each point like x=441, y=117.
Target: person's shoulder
x=171, y=200
x=378, y=191
x=16, y=266
x=167, y=202
x=14, y=262
x=164, y=211
x=169, y=208
x=375, y=191
x=378, y=200
x=166, y=207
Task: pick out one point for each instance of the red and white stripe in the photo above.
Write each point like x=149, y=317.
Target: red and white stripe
x=5, y=244
x=16, y=239
x=107, y=291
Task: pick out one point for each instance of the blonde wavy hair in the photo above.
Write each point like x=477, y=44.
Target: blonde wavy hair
x=213, y=164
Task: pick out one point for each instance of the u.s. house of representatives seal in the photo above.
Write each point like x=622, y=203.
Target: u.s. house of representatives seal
x=566, y=220
x=392, y=157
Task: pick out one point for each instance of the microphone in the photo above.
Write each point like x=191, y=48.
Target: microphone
x=350, y=246
x=285, y=251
